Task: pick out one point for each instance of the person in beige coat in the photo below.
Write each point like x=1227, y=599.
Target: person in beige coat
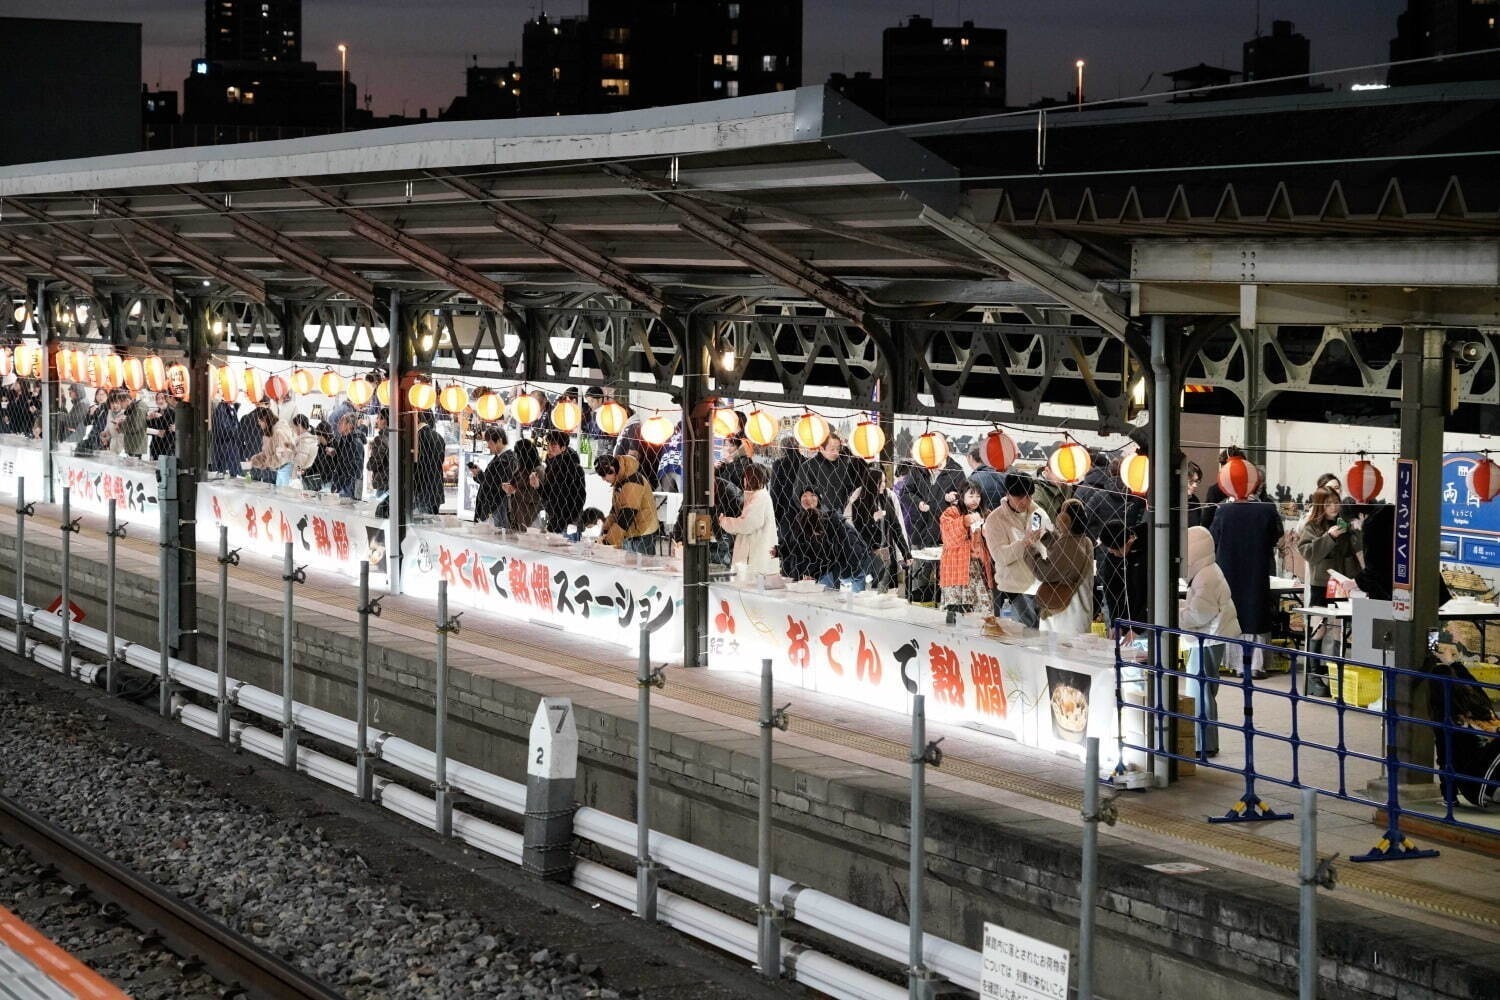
x=1009, y=530
x=1208, y=608
x=1063, y=564
x=754, y=530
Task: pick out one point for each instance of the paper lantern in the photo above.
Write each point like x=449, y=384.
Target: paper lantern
x=930, y=451
x=156, y=374
x=1238, y=478
x=224, y=379
x=726, y=421
x=611, y=418
x=383, y=393
x=567, y=415
x=255, y=385
x=114, y=371
x=657, y=429
x=525, y=409
x=302, y=381
x=331, y=383
x=421, y=396
x=811, y=430
x=178, y=381
x=135, y=374
x=999, y=450
x=454, y=398
x=27, y=361
x=1070, y=462
x=868, y=440
x=361, y=391
x=1363, y=481
x=1484, y=480
x=277, y=389
x=1135, y=472
x=760, y=427
x=5, y=364
x=489, y=407
x=88, y=371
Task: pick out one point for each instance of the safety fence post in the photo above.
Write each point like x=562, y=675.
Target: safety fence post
x=166, y=491
x=769, y=916
x=1394, y=845
x=291, y=576
x=23, y=511
x=226, y=560
x=1094, y=812
x=921, y=982
x=647, y=871
x=69, y=528
x=1250, y=808
x=444, y=794
x=1311, y=874
x=113, y=533
x=364, y=770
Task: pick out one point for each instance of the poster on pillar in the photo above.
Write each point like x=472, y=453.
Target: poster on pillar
x=94, y=481
x=1470, y=533
x=261, y=521
x=20, y=459
x=601, y=597
x=1051, y=699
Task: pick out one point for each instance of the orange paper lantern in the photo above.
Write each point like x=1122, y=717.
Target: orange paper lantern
x=361, y=391
x=489, y=407
x=454, y=398
x=114, y=371
x=1238, y=478
x=811, y=430
x=760, y=427
x=277, y=389
x=868, y=440
x=226, y=381
x=421, y=396
x=156, y=374
x=1135, y=472
x=526, y=409
x=179, y=378
x=657, y=429
x=1363, y=481
x=5, y=364
x=255, y=385
x=999, y=450
x=331, y=383
x=302, y=381
x=930, y=451
x=567, y=415
x=726, y=421
x=1484, y=479
x=135, y=374
x=611, y=418
x=61, y=363
x=1070, y=462
x=383, y=393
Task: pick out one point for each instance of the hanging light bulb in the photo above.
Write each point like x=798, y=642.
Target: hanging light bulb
x=868, y=440
x=567, y=415
x=999, y=450
x=611, y=418
x=657, y=429
x=726, y=421
x=1070, y=462
x=454, y=398
x=761, y=427
x=525, y=409
x=811, y=430
x=930, y=450
x=1135, y=472
x=490, y=407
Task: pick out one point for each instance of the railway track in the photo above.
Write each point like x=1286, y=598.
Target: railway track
x=232, y=958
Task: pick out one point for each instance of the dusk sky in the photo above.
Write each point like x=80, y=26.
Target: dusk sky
x=411, y=53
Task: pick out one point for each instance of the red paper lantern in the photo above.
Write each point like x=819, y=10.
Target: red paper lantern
x=490, y=407
x=1070, y=462
x=611, y=418
x=999, y=450
x=930, y=451
x=156, y=374
x=1238, y=478
x=1363, y=481
x=1135, y=472
x=277, y=389
x=567, y=415
x=1484, y=480
x=868, y=440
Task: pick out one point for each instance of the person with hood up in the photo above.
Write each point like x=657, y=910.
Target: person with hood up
x=1063, y=564
x=632, y=523
x=1209, y=608
x=754, y=530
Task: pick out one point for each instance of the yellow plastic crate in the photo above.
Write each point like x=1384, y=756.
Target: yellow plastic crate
x=1361, y=685
x=1486, y=673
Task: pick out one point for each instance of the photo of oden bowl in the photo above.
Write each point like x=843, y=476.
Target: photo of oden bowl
x=1068, y=693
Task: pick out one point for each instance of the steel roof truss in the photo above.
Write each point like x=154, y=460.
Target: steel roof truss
x=186, y=250
x=44, y=260
x=87, y=246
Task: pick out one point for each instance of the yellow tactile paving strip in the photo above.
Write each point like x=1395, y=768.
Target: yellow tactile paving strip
x=1382, y=880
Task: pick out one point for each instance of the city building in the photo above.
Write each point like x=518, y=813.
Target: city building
x=934, y=73
x=1189, y=84
x=1284, y=57
x=252, y=30
x=863, y=88
x=1441, y=28
x=559, y=73
x=71, y=88
x=489, y=92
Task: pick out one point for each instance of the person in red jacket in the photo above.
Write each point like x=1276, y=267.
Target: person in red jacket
x=966, y=573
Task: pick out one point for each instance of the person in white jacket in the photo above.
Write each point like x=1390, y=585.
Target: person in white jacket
x=754, y=530
x=1208, y=608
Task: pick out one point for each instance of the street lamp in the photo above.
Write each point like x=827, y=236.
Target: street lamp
x=344, y=83
x=1079, y=66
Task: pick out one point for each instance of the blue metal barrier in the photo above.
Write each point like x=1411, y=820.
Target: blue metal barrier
x=1461, y=714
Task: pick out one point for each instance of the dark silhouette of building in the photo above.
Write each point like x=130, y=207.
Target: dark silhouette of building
x=1283, y=56
x=71, y=88
x=489, y=92
x=1446, y=28
x=559, y=74
x=933, y=73
x=1189, y=84
x=252, y=30
x=862, y=88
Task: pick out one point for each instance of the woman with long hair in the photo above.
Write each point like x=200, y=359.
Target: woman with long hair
x=966, y=572
x=1329, y=544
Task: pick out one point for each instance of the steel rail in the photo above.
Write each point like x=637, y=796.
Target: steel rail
x=229, y=955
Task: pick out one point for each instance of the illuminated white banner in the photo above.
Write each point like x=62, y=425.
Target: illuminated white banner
x=323, y=537
x=96, y=480
x=20, y=460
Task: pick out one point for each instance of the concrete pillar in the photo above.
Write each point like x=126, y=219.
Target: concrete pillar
x=551, y=772
x=697, y=491
x=1166, y=514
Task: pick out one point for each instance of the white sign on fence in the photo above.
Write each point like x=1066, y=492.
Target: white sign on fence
x=1016, y=967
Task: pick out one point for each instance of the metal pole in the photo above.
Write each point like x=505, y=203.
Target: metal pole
x=440, y=733
x=920, y=980
x=363, y=773
x=1307, y=961
x=290, y=576
x=68, y=527
x=23, y=511
x=647, y=872
x=1163, y=568
x=226, y=560
x=164, y=596
x=1088, y=889
x=768, y=950
x=115, y=532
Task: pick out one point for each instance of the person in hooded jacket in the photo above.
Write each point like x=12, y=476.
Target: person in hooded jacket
x=1208, y=608
x=632, y=523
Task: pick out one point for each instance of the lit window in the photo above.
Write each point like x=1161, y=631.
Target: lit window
x=200, y=67
x=947, y=43
x=718, y=58
x=989, y=64
x=732, y=88
x=249, y=97
x=614, y=60
x=557, y=72
x=620, y=88
x=732, y=62
x=617, y=35
x=556, y=31
x=232, y=95
x=963, y=43
x=768, y=64
x=734, y=11
x=718, y=84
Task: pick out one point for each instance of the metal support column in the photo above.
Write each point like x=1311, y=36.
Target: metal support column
x=1255, y=410
x=47, y=339
x=364, y=771
x=69, y=528
x=647, y=871
x=113, y=533
x=226, y=560
x=187, y=426
x=1166, y=521
x=290, y=576
x=446, y=626
x=698, y=492
x=400, y=440
x=166, y=612
x=769, y=917
x=23, y=511
x=920, y=980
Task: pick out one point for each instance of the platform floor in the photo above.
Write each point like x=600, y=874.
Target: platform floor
x=1459, y=890
x=34, y=968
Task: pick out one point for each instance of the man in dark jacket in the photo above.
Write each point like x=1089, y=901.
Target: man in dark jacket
x=561, y=484
x=1245, y=534
x=1124, y=573
x=489, y=502
x=831, y=474
x=379, y=460
x=926, y=493
x=427, y=475
x=783, y=486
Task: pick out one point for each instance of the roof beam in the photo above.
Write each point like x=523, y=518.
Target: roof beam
x=566, y=250
x=62, y=231
x=11, y=278
x=1030, y=263
x=1424, y=263
x=1357, y=307
x=420, y=255
x=44, y=260
x=186, y=250
x=294, y=252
